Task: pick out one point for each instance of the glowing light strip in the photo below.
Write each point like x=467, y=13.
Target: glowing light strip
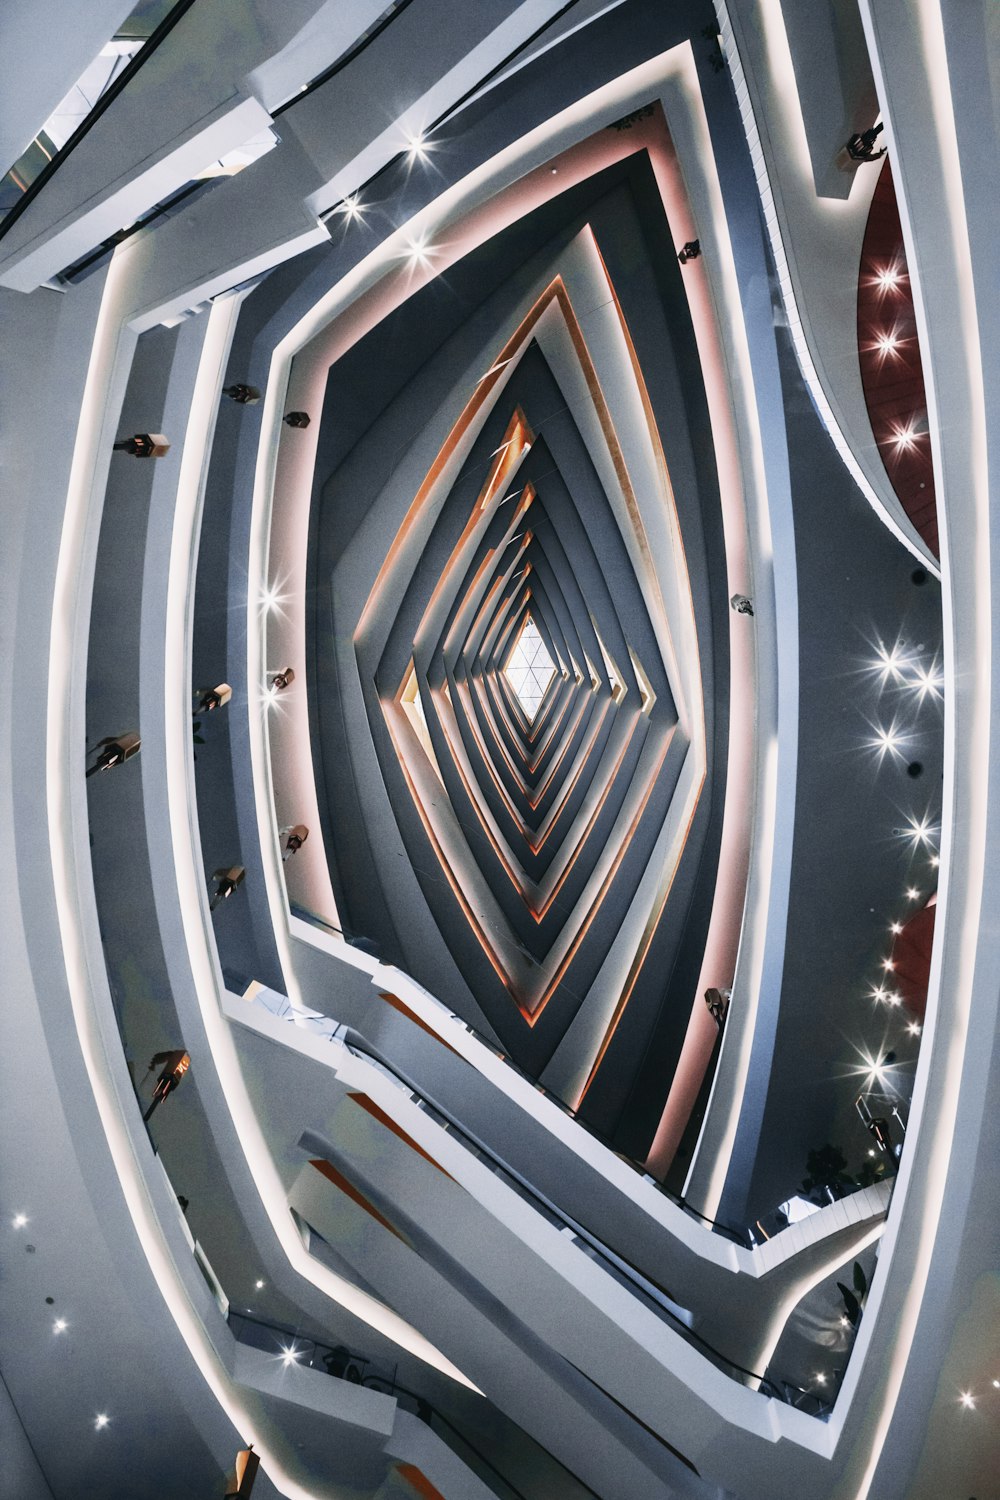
x=66, y=797
x=917, y=33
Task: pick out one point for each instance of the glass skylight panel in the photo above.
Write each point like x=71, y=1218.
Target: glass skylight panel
x=529, y=669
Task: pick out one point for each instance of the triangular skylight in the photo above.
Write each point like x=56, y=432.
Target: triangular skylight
x=529, y=669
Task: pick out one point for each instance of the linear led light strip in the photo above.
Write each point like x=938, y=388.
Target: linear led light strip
x=65, y=809
x=810, y=374
x=190, y=887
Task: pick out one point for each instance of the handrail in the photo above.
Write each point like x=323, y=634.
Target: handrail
x=447, y=114
x=363, y=42
x=727, y=1231
x=110, y=94
x=642, y=1285
x=425, y=1410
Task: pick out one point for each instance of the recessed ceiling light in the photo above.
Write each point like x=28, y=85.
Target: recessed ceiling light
x=904, y=436
x=968, y=1400
x=20, y=1220
x=60, y=1325
x=919, y=830
x=877, y=1071
x=419, y=252
x=258, y=1285
x=101, y=1420
x=927, y=680
x=416, y=146
x=912, y=894
x=888, y=278
x=896, y=927
x=890, y=662
x=289, y=1356
x=914, y=1030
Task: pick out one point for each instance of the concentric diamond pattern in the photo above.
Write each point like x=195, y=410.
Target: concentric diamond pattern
x=529, y=670
x=518, y=749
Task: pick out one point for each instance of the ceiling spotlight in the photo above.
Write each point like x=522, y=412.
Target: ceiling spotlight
x=289, y=1356
x=418, y=252
x=879, y=992
x=889, y=277
x=271, y=599
x=877, y=1070
x=894, y=998
x=887, y=963
x=927, y=680
x=912, y=894
x=258, y=1285
x=60, y=1325
x=890, y=662
x=101, y=1420
x=351, y=207
x=904, y=436
x=886, y=344
x=416, y=146
x=914, y=1030
x=820, y=1378
x=887, y=740
x=896, y=927
x=19, y=1220
x=919, y=831
x=935, y=860
x=968, y=1400
x=996, y=1385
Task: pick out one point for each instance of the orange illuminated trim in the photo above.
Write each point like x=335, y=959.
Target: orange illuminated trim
x=547, y=703
x=555, y=292
x=473, y=723
x=641, y=952
x=582, y=756
x=581, y=842
x=356, y=1196
x=518, y=878
x=480, y=689
x=584, y=927
x=482, y=392
x=551, y=698
x=661, y=461
x=591, y=735
x=489, y=560
x=379, y=1114
x=431, y=478
x=456, y=889
x=418, y=1481
x=411, y=1015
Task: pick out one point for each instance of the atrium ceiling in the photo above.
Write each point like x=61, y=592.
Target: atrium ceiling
x=498, y=618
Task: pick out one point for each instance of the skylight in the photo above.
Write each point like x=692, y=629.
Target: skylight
x=529, y=669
